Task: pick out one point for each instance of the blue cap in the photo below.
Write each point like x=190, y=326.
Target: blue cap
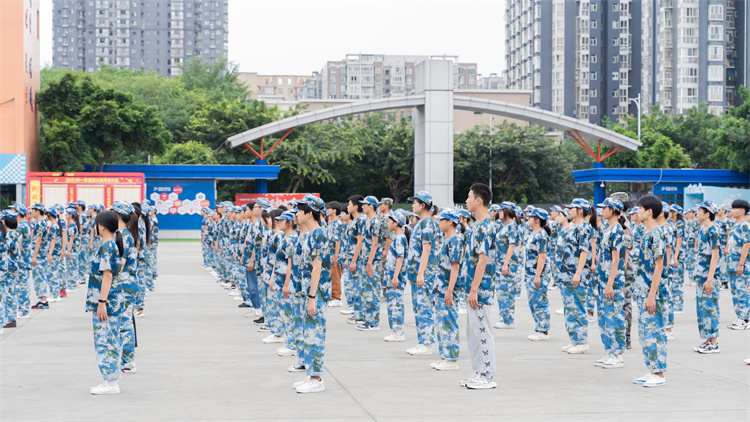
x=466, y=214
x=494, y=207
x=665, y=207
x=81, y=203
x=556, y=208
x=38, y=206
x=398, y=217
x=540, y=213
x=599, y=212
x=678, y=209
x=146, y=207
x=20, y=208
x=633, y=211
x=517, y=210
x=370, y=200
x=146, y=202
x=579, y=203
x=52, y=211
x=507, y=205
x=71, y=211
x=286, y=215
x=422, y=196
x=244, y=207
x=612, y=203
x=727, y=207
x=10, y=213
x=709, y=206
x=122, y=208
x=316, y=203
x=449, y=214
x=70, y=204
x=529, y=208
x=263, y=202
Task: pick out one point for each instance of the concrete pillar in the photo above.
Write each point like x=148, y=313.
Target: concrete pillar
x=600, y=192
x=261, y=185
x=433, y=131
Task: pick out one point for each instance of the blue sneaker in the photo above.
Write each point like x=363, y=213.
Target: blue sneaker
x=41, y=305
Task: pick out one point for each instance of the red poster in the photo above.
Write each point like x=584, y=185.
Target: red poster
x=275, y=198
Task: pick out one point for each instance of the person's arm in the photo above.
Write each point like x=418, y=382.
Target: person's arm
x=371, y=258
x=386, y=247
x=51, y=247
x=101, y=309
x=355, y=257
x=627, y=258
x=423, y=261
x=676, y=255
x=539, y=268
x=91, y=237
x=455, y=267
x=650, y=302
x=69, y=246
x=579, y=270
x=609, y=292
x=64, y=238
x=397, y=271
x=743, y=258
x=708, y=286
x=508, y=257
x=594, y=257
x=473, y=298
x=314, y=279
x=336, y=249
x=287, y=279
x=37, y=245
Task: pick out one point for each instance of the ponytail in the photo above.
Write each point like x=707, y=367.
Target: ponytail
x=407, y=233
x=109, y=220
x=131, y=222
x=622, y=222
x=78, y=224
x=544, y=225
x=118, y=242
x=591, y=214
x=3, y=229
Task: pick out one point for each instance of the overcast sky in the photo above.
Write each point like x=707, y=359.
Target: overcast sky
x=298, y=37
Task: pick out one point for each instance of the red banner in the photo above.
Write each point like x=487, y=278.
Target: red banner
x=275, y=198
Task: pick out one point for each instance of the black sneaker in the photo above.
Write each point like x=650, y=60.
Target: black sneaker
x=41, y=305
x=260, y=321
x=243, y=305
x=11, y=324
x=264, y=328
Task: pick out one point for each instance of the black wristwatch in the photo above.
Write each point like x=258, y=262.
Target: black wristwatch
x=102, y=301
x=310, y=297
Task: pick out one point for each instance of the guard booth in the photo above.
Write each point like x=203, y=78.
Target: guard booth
x=93, y=188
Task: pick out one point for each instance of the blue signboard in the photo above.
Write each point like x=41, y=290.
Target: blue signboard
x=179, y=201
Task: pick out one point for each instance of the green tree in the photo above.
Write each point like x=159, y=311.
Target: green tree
x=190, y=152
x=657, y=149
x=732, y=138
x=218, y=79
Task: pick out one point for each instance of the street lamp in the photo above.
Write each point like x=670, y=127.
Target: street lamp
x=490, y=184
x=637, y=102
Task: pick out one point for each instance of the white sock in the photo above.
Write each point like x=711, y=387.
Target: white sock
x=111, y=383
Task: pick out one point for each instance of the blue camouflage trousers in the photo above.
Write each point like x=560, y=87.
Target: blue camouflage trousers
x=668, y=299
x=611, y=315
x=140, y=277
x=652, y=335
x=707, y=308
x=40, y=276
x=446, y=327
x=298, y=302
x=371, y=292
x=424, y=313
x=53, y=269
x=314, y=337
x=395, y=305
x=287, y=314
x=538, y=302
x=273, y=312
x=108, y=346
x=22, y=291
x=71, y=270
x=678, y=286
x=127, y=333
x=355, y=296
x=505, y=289
x=346, y=281
x=574, y=300
x=740, y=296
x=590, y=292
x=10, y=298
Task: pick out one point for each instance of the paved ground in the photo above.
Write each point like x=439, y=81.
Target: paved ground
x=199, y=359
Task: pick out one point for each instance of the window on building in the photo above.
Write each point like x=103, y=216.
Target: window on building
x=593, y=41
x=593, y=76
x=593, y=110
x=716, y=73
x=716, y=32
x=715, y=93
x=716, y=12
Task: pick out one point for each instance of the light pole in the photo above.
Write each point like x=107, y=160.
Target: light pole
x=637, y=102
x=491, y=120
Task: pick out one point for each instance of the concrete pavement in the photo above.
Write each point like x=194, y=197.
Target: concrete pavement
x=199, y=359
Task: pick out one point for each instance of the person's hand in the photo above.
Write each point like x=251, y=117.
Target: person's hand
x=674, y=263
x=505, y=269
x=708, y=286
x=101, y=312
x=370, y=271
x=650, y=304
x=576, y=280
x=91, y=247
x=251, y=266
x=335, y=259
x=285, y=292
x=49, y=259
x=68, y=254
x=420, y=280
x=609, y=293
x=310, y=307
x=740, y=270
x=473, y=299
x=352, y=267
x=537, y=283
x=449, y=298
x=394, y=282
x=33, y=261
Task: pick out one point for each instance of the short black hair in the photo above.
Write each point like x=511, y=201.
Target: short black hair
x=482, y=192
x=354, y=199
x=650, y=202
x=741, y=203
x=306, y=209
x=335, y=206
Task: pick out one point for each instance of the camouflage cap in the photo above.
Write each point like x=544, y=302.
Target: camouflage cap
x=622, y=196
x=386, y=201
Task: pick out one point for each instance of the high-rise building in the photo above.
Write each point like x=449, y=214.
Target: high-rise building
x=157, y=35
x=493, y=81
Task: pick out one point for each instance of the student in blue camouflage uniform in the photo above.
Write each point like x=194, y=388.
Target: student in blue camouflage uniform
x=370, y=263
x=24, y=268
x=610, y=285
x=83, y=250
x=395, y=275
x=574, y=277
x=386, y=237
x=677, y=220
x=650, y=295
x=738, y=267
x=104, y=300
x=536, y=274
x=554, y=226
x=421, y=265
x=39, y=270
x=127, y=230
x=72, y=248
x=628, y=267
x=691, y=231
x=273, y=317
x=54, y=255
x=299, y=300
x=481, y=266
x=316, y=286
x=356, y=236
x=282, y=279
x=151, y=251
x=706, y=290
x=723, y=225
x=443, y=291
x=507, y=240
x=10, y=266
x=335, y=233
x=345, y=255
x=666, y=277
x=518, y=252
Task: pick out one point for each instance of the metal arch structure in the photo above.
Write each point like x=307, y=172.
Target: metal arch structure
x=433, y=126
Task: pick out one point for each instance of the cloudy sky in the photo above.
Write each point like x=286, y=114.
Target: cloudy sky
x=297, y=37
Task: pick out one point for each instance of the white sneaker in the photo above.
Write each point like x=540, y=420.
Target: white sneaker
x=421, y=350
x=298, y=383
x=560, y=311
x=434, y=365
x=447, y=365
x=105, y=388
x=392, y=338
x=238, y=297
x=481, y=383
x=642, y=379
x=2, y=331
x=613, y=362
x=139, y=313
x=334, y=304
x=567, y=347
x=130, y=369
x=670, y=336
x=747, y=361
x=599, y=362
x=297, y=368
x=740, y=324
x=273, y=339
x=655, y=381
x=503, y=326
x=225, y=284
x=22, y=316
x=591, y=318
x=537, y=336
x=579, y=349
x=312, y=386
x=55, y=299
x=347, y=311
x=465, y=382
x=285, y=351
